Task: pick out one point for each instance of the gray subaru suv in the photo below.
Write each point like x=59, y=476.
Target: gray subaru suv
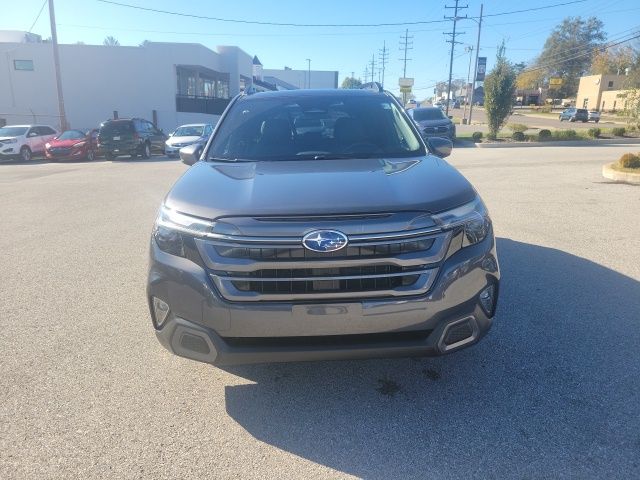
x=350, y=240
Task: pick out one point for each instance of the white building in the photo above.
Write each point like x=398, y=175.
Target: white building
x=304, y=78
x=167, y=83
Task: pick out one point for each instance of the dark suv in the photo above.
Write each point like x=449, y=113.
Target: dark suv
x=345, y=240
x=131, y=136
x=575, y=115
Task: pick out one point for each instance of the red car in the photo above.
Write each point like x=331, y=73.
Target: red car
x=72, y=145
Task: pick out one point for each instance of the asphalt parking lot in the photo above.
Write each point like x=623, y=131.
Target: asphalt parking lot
x=553, y=391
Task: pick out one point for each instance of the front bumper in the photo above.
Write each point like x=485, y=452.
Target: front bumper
x=204, y=327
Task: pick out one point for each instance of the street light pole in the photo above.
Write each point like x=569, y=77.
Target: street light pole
x=464, y=115
x=309, y=72
x=475, y=68
x=56, y=63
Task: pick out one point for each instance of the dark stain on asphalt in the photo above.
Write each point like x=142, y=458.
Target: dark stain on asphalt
x=432, y=374
x=388, y=387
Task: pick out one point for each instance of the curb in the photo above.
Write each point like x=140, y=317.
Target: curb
x=625, y=177
x=566, y=143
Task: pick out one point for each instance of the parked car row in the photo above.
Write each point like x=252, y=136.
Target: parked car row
x=579, y=114
x=130, y=136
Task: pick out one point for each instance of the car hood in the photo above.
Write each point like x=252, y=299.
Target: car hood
x=2, y=139
x=69, y=142
x=174, y=140
x=435, y=123
x=316, y=187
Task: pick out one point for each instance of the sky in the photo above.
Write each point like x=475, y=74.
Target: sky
x=346, y=49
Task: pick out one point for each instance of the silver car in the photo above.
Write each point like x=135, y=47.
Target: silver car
x=187, y=135
x=356, y=240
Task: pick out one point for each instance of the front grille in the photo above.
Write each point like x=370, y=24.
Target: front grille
x=60, y=151
x=436, y=129
x=281, y=269
x=299, y=252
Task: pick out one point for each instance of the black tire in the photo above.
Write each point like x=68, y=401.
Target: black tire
x=571, y=120
x=146, y=151
x=560, y=118
x=91, y=156
x=133, y=155
x=109, y=156
x=25, y=154
x=597, y=120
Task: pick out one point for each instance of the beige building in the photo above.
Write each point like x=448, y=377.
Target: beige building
x=596, y=89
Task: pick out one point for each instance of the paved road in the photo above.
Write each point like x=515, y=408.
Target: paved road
x=533, y=120
x=553, y=392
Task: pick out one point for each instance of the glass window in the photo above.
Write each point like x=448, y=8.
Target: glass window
x=12, y=131
x=72, y=135
x=23, y=65
x=300, y=127
x=420, y=114
x=189, y=131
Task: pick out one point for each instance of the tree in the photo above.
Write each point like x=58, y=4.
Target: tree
x=613, y=60
x=569, y=49
x=499, y=87
x=111, y=42
x=530, y=79
x=351, y=82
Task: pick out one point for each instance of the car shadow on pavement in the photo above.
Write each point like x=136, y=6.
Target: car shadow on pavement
x=552, y=391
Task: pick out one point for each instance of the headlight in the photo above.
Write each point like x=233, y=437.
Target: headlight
x=173, y=230
x=10, y=140
x=473, y=217
x=47, y=146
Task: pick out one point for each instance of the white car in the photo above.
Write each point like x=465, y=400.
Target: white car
x=594, y=116
x=24, y=141
x=187, y=135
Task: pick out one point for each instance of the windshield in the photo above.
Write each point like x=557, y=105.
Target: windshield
x=111, y=128
x=13, y=131
x=189, y=131
x=72, y=135
x=428, y=114
x=314, y=127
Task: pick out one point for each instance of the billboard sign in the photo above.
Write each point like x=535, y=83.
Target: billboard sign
x=405, y=82
x=482, y=69
x=555, y=81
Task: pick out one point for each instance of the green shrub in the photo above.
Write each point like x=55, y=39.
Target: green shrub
x=618, y=131
x=491, y=136
x=517, y=127
x=546, y=109
x=565, y=134
x=594, y=132
x=518, y=136
x=544, y=135
x=629, y=160
x=633, y=128
x=477, y=136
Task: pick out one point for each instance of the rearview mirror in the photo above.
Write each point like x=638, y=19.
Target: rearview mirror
x=437, y=145
x=190, y=154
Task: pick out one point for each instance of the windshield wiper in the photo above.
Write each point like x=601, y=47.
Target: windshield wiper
x=332, y=156
x=227, y=160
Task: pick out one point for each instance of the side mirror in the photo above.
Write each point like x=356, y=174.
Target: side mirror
x=190, y=154
x=437, y=145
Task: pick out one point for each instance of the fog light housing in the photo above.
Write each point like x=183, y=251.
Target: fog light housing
x=160, y=311
x=488, y=300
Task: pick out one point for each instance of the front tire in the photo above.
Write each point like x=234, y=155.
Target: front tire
x=146, y=151
x=91, y=156
x=25, y=154
x=109, y=156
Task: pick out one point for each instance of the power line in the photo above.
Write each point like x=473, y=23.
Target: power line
x=281, y=24
x=37, y=16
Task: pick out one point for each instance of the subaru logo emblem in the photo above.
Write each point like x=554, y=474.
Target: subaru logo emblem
x=324, y=241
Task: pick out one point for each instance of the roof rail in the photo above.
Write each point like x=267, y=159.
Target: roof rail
x=373, y=86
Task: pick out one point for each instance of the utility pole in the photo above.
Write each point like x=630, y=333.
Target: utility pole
x=373, y=67
x=453, y=42
x=309, y=72
x=466, y=97
x=56, y=62
x=475, y=68
x=365, y=74
x=406, y=44
x=384, y=57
